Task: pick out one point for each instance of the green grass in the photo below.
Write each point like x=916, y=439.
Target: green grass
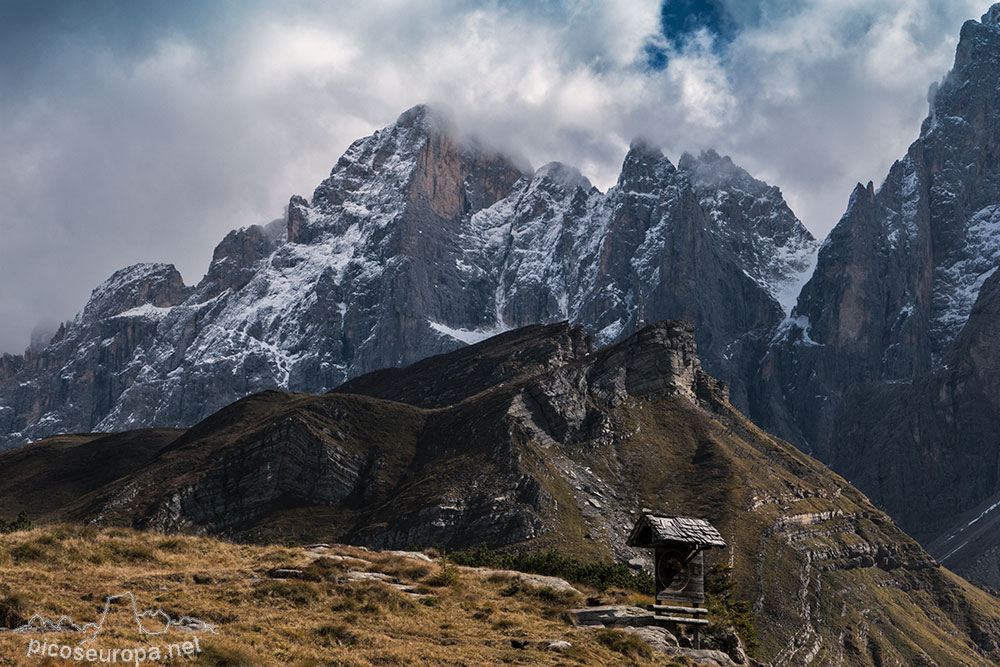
x=724, y=611
x=18, y=524
x=601, y=576
x=446, y=576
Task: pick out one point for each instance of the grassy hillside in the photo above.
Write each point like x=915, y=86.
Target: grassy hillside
x=450, y=616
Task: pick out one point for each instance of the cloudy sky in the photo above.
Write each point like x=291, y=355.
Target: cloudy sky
x=145, y=131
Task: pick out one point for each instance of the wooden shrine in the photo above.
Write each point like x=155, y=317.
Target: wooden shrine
x=679, y=545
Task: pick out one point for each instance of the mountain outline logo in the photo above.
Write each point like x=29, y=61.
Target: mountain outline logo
x=65, y=624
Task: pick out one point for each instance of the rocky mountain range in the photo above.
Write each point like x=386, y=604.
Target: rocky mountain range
x=419, y=241
x=888, y=367
x=534, y=439
x=423, y=240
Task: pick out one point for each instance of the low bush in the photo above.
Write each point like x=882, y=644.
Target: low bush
x=724, y=611
x=13, y=610
x=18, y=524
x=447, y=575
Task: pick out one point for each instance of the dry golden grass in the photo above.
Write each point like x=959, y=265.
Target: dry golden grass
x=457, y=617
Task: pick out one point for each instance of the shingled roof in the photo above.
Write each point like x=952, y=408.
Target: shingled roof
x=653, y=529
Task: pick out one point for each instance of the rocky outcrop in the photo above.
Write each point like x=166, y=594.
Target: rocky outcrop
x=238, y=258
x=91, y=362
x=612, y=616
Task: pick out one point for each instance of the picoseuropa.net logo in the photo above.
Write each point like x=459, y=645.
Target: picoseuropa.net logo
x=86, y=651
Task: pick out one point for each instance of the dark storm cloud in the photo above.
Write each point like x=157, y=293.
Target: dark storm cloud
x=145, y=131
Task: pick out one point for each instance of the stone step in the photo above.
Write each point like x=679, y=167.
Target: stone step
x=677, y=610
x=679, y=619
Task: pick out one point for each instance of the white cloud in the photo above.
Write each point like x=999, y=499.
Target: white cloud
x=283, y=56
x=114, y=151
x=702, y=83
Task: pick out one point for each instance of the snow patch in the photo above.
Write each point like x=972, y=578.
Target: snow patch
x=610, y=332
x=960, y=276
x=147, y=310
x=800, y=323
x=985, y=512
x=467, y=336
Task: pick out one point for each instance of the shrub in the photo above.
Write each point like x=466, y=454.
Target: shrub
x=725, y=611
x=18, y=524
x=551, y=563
x=446, y=576
x=13, y=610
x=512, y=589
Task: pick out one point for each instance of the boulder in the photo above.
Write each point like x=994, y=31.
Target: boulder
x=611, y=616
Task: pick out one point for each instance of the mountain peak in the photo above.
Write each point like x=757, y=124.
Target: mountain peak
x=712, y=169
x=144, y=284
x=643, y=167
x=642, y=146
x=709, y=156
x=564, y=175
x=428, y=118
x=420, y=240
x=992, y=15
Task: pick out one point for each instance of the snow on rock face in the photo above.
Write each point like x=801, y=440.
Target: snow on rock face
x=135, y=286
x=415, y=244
x=757, y=226
x=900, y=393
x=898, y=276
x=960, y=274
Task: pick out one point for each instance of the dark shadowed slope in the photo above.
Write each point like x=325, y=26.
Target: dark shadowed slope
x=887, y=370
